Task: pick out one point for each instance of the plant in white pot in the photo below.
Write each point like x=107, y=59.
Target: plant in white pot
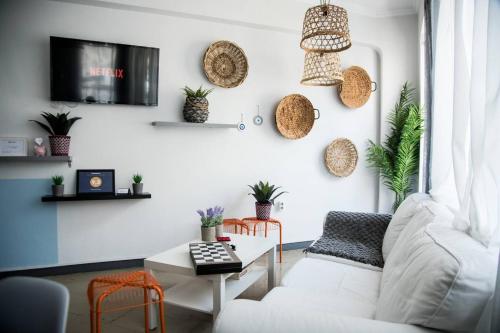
x=265, y=196
x=58, y=127
x=58, y=186
x=137, y=184
x=209, y=221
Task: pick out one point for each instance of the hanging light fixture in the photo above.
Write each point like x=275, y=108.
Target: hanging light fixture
x=322, y=69
x=325, y=29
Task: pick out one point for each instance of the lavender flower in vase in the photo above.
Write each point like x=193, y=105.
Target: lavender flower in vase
x=211, y=223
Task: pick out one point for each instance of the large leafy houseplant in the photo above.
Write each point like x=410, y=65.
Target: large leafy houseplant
x=397, y=159
x=58, y=127
x=264, y=195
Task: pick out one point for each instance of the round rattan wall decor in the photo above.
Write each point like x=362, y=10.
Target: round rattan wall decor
x=356, y=89
x=341, y=157
x=295, y=116
x=225, y=64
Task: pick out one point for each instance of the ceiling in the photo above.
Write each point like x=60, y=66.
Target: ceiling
x=375, y=8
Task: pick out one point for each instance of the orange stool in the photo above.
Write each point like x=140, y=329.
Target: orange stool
x=124, y=291
x=229, y=224
x=257, y=226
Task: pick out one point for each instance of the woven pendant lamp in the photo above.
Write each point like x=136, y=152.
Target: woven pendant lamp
x=322, y=69
x=325, y=29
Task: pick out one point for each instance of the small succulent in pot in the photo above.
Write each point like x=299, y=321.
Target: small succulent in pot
x=196, y=105
x=58, y=127
x=137, y=184
x=58, y=186
x=210, y=220
x=264, y=195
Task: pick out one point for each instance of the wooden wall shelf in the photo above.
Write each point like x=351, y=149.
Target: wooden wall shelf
x=35, y=159
x=187, y=124
x=75, y=197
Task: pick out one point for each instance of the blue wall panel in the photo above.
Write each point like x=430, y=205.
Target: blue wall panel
x=28, y=227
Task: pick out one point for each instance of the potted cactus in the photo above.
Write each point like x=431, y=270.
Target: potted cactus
x=196, y=105
x=58, y=186
x=264, y=194
x=209, y=221
x=137, y=184
x=58, y=128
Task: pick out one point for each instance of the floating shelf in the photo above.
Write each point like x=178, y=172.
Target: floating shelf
x=187, y=124
x=66, y=159
x=75, y=197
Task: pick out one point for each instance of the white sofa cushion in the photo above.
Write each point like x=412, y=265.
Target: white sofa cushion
x=334, y=280
x=321, y=301
x=400, y=219
x=436, y=277
x=342, y=261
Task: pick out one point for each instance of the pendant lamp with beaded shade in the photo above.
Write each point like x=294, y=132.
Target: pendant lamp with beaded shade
x=322, y=69
x=326, y=29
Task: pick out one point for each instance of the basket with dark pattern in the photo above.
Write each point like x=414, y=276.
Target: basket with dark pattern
x=263, y=210
x=196, y=109
x=59, y=145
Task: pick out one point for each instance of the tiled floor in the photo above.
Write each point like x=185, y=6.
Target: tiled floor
x=177, y=319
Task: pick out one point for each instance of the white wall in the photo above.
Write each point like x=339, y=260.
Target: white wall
x=187, y=169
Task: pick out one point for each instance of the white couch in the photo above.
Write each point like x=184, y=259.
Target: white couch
x=434, y=278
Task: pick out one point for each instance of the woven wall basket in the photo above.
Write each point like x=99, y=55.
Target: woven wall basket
x=295, y=116
x=356, y=89
x=225, y=64
x=341, y=157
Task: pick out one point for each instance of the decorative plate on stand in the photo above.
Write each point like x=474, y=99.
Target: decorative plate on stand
x=295, y=116
x=356, y=89
x=225, y=64
x=341, y=157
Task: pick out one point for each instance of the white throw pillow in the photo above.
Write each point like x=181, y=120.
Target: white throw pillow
x=436, y=277
x=400, y=219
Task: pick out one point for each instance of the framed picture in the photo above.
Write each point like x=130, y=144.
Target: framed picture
x=13, y=147
x=95, y=182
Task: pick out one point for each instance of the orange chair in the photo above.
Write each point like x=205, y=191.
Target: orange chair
x=124, y=291
x=257, y=226
x=229, y=224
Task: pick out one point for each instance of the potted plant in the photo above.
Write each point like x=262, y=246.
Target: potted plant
x=137, y=183
x=196, y=105
x=397, y=158
x=263, y=193
x=57, y=186
x=209, y=220
x=58, y=128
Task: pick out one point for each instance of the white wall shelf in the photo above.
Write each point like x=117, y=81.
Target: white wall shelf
x=187, y=124
x=66, y=159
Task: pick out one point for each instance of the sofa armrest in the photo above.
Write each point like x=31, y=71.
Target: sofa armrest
x=246, y=316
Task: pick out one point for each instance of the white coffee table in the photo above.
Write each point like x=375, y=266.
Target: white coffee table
x=208, y=293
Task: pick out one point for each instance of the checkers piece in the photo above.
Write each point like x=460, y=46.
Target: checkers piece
x=214, y=258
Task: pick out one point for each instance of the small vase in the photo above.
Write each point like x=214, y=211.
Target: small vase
x=59, y=145
x=208, y=234
x=219, y=230
x=137, y=188
x=263, y=210
x=58, y=190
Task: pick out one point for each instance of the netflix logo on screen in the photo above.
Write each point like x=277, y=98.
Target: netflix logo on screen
x=118, y=73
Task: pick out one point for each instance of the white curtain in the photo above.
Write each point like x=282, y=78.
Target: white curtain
x=465, y=148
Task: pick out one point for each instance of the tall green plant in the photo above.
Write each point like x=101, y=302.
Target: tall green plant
x=397, y=158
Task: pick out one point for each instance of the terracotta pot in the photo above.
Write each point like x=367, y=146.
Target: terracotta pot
x=219, y=230
x=59, y=145
x=137, y=188
x=263, y=210
x=208, y=234
x=58, y=190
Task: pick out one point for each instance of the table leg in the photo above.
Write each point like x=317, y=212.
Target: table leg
x=152, y=313
x=281, y=243
x=219, y=290
x=271, y=263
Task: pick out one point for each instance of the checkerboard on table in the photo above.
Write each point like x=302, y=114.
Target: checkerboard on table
x=214, y=258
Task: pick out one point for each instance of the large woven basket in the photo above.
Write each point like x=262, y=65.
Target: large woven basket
x=341, y=157
x=225, y=64
x=356, y=88
x=295, y=116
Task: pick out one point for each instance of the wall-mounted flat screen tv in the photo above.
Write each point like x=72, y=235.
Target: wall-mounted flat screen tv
x=97, y=72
